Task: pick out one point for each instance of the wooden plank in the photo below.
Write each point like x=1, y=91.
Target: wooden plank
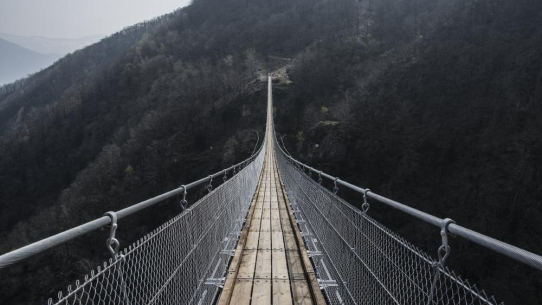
x=273, y=196
x=301, y=293
x=241, y=292
x=266, y=213
x=295, y=266
x=284, y=213
x=275, y=220
x=277, y=240
x=259, y=203
x=248, y=264
x=265, y=239
x=263, y=265
x=279, y=267
x=276, y=227
x=265, y=235
x=289, y=241
x=254, y=233
x=259, y=238
x=228, y=289
x=252, y=240
x=281, y=292
x=275, y=215
x=261, y=293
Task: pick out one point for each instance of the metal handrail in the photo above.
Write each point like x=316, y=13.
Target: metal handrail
x=506, y=249
x=38, y=247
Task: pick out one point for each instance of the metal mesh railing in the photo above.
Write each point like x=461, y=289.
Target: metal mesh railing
x=182, y=261
x=358, y=260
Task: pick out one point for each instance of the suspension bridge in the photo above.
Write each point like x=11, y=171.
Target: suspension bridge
x=272, y=234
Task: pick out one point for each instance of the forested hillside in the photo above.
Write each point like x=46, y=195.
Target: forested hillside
x=139, y=113
x=438, y=106
x=433, y=103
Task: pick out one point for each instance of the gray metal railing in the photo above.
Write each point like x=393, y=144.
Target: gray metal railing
x=30, y=250
x=184, y=261
x=360, y=261
x=511, y=251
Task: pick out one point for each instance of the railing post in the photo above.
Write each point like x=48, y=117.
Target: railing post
x=365, y=206
x=335, y=188
x=113, y=247
x=443, y=253
x=320, y=177
x=183, y=202
x=112, y=243
x=210, y=185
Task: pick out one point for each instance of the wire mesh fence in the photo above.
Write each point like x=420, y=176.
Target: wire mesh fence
x=358, y=260
x=182, y=261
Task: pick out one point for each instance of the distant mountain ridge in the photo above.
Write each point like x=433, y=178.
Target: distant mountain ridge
x=47, y=45
x=17, y=61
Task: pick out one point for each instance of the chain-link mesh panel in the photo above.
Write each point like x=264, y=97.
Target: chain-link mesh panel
x=359, y=261
x=182, y=261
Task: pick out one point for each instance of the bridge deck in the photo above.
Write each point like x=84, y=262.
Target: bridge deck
x=271, y=265
x=268, y=266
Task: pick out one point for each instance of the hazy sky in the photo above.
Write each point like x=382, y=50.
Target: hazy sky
x=78, y=18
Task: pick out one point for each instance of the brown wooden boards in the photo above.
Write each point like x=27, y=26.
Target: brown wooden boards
x=233, y=269
x=261, y=293
x=241, y=292
x=270, y=265
x=300, y=292
x=263, y=265
x=281, y=292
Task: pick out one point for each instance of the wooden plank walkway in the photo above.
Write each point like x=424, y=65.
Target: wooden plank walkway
x=271, y=265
